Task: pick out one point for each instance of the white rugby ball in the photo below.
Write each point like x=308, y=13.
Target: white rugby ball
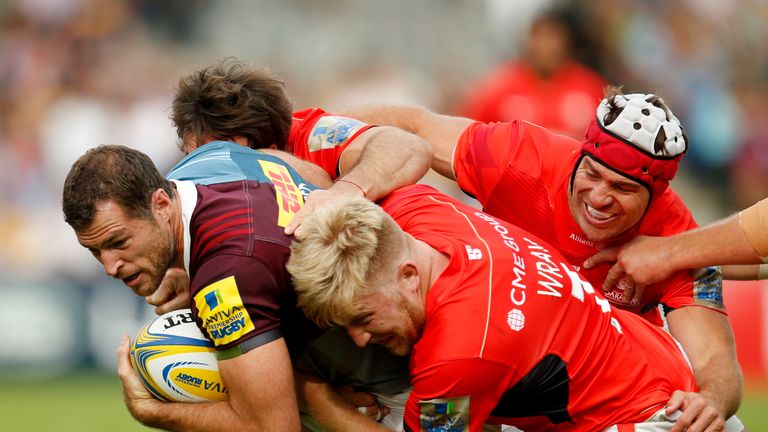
x=175, y=361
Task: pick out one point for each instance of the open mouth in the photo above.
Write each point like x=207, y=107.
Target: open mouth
x=132, y=278
x=596, y=216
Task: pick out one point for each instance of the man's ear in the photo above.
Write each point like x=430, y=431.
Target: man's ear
x=162, y=204
x=408, y=277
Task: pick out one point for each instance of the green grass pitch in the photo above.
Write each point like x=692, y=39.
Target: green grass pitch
x=94, y=402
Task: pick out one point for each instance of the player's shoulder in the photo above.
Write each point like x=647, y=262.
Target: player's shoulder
x=667, y=215
x=233, y=217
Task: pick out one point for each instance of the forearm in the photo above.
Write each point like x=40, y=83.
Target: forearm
x=391, y=159
x=721, y=382
x=442, y=132
x=309, y=171
x=405, y=117
x=318, y=399
x=707, y=339
x=723, y=242
x=206, y=417
x=745, y=272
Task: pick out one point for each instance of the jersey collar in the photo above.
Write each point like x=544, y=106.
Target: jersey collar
x=188, y=198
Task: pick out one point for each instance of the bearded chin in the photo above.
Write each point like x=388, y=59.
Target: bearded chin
x=166, y=262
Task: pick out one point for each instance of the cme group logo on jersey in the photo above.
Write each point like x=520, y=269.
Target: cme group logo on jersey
x=221, y=309
x=444, y=415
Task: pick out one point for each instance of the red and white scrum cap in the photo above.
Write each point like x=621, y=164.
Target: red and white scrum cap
x=628, y=144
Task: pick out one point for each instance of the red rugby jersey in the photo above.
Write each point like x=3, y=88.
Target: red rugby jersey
x=321, y=137
x=514, y=335
x=520, y=173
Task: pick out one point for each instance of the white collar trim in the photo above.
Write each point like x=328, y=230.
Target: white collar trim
x=188, y=198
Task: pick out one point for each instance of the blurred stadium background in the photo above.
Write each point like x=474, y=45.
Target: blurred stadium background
x=78, y=73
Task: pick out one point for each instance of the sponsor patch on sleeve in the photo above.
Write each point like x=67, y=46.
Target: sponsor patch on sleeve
x=708, y=288
x=222, y=312
x=332, y=131
x=444, y=415
x=288, y=194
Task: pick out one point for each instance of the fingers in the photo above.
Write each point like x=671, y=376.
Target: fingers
x=632, y=291
x=295, y=223
x=161, y=295
x=180, y=302
x=374, y=411
x=134, y=391
x=673, y=410
x=309, y=205
x=317, y=199
x=123, y=358
x=698, y=414
x=629, y=290
x=699, y=418
x=614, y=274
x=609, y=255
x=173, y=292
x=294, y=227
x=639, y=290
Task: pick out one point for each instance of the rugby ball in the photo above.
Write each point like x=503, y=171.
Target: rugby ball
x=175, y=361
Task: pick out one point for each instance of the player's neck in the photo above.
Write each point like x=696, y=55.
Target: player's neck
x=431, y=262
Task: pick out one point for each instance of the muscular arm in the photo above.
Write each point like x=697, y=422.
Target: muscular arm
x=440, y=131
x=383, y=159
x=324, y=404
x=723, y=242
x=261, y=395
x=307, y=170
x=647, y=260
x=707, y=339
x=374, y=164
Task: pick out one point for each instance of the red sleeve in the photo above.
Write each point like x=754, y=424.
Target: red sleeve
x=682, y=290
x=456, y=395
x=481, y=155
x=235, y=299
x=485, y=153
x=320, y=137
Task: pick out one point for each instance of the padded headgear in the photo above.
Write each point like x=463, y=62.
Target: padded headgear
x=628, y=144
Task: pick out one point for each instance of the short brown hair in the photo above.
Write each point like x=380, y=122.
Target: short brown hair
x=230, y=99
x=111, y=172
x=347, y=246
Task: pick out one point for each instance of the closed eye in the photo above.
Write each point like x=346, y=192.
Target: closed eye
x=362, y=319
x=119, y=244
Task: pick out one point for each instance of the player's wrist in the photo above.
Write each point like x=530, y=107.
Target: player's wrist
x=715, y=402
x=351, y=186
x=143, y=409
x=674, y=254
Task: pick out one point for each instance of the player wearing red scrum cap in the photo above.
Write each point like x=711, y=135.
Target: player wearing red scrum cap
x=582, y=197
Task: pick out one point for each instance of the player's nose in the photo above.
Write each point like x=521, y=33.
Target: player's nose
x=359, y=336
x=112, y=263
x=600, y=195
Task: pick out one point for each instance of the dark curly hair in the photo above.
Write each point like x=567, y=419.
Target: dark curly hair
x=230, y=99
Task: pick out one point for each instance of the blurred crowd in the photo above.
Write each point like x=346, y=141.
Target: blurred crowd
x=78, y=73
x=706, y=58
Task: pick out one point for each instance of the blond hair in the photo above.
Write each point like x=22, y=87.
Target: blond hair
x=346, y=245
